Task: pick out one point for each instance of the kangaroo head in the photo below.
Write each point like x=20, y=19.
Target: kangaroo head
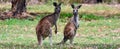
x=57, y=7
x=75, y=9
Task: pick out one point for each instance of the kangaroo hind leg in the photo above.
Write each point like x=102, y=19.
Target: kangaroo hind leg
x=50, y=36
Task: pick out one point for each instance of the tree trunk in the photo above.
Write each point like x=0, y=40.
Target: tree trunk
x=18, y=7
x=18, y=10
x=99, y=1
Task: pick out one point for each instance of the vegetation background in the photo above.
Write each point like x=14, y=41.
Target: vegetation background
x=99, y=25
x=70, y=1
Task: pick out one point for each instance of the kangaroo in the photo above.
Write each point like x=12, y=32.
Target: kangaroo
x=43, y=29
x=71, y=26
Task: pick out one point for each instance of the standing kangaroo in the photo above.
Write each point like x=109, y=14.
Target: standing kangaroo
x=72, y=26
x=44, y=26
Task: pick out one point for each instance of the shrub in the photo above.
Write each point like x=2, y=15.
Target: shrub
x=91, y=17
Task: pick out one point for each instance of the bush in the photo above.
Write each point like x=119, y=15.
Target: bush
x=65, y=16
x=91, y=17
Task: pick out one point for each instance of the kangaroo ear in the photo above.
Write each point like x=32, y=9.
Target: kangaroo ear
x=60, y=3
x=72, y=6
x=54, y=3
x=79, y=6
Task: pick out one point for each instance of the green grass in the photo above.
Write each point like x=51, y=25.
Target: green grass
x=91, y=34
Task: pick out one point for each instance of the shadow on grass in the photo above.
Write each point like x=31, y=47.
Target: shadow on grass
x=65, y=46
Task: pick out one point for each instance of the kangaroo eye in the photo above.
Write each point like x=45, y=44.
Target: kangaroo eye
x=76, y=10
x=56, y=8
x=73, y=10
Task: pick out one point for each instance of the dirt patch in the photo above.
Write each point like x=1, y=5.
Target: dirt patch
x=116, y=30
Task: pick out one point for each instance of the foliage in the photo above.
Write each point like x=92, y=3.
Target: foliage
x=91, y=17
x=97, y=9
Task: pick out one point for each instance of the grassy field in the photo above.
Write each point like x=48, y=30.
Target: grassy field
x=103, y=33
x=99, y=33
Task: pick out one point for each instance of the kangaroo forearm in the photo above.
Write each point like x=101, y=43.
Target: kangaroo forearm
x=55, y=27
